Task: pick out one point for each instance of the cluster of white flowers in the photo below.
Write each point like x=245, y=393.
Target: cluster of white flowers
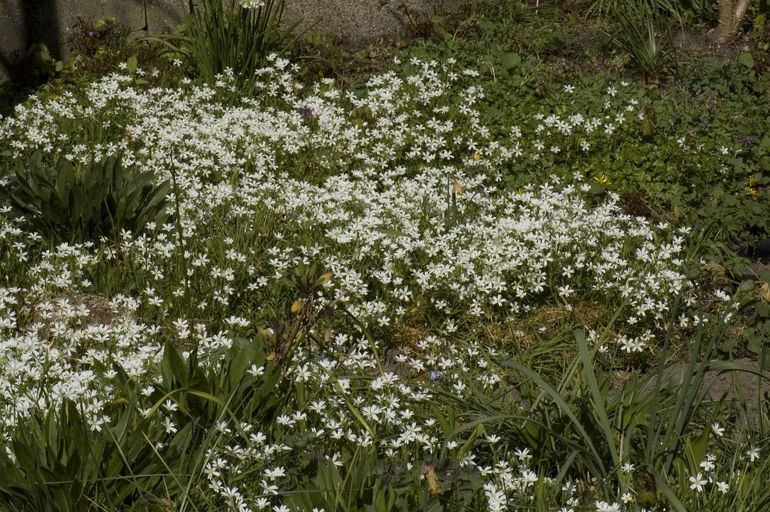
x=68, y=341
x=395, y=192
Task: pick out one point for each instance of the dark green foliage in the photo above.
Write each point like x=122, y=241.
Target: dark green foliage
x=756, y=306
x=99, y=36
x=103, y=199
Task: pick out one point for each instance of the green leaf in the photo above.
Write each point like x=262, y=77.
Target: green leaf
x=564, y=407
x=65, y=179
x=597, y=397
x=510, y=60
x=241, y=357
x=666, y=490
x=173, y=367
x=696, y=450
x=745, y=59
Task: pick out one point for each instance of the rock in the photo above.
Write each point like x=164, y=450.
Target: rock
x=742, y=393
x=356, y=23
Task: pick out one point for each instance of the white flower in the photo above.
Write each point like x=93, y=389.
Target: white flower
x=275, y=473
x=252, y=4
x=697, y=482
x=707, y=465
x=169, y=425
x=603, y=506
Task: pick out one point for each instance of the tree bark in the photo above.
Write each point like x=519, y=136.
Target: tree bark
x=731, y=13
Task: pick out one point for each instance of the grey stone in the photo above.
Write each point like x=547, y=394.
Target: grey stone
x=356, y=23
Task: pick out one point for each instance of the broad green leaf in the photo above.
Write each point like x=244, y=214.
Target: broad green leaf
x=510, y=60
x=241, y=357
x=745, y=59
x=173, y=366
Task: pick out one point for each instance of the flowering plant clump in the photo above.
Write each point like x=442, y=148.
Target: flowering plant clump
x=308, y=227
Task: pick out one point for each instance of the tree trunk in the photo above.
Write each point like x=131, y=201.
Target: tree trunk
x=731, y=13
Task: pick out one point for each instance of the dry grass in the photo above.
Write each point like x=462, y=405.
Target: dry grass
x=544, y=322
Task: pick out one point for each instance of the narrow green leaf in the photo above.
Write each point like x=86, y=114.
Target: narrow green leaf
x=597, y=398
x=565, y=409
x=672, y=498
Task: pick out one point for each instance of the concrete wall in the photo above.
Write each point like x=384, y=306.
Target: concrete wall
x=26, y=22
x=353, y=22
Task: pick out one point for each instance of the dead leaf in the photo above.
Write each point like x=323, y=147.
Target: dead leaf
x=764, y=292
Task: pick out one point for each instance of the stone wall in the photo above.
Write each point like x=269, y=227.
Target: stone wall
x=353, y=22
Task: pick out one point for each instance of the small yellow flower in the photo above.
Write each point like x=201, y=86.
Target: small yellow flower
x=602, y=179
x=325, y=278
x=477, y=156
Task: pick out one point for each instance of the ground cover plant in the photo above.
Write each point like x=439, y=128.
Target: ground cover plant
x=418, y=292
